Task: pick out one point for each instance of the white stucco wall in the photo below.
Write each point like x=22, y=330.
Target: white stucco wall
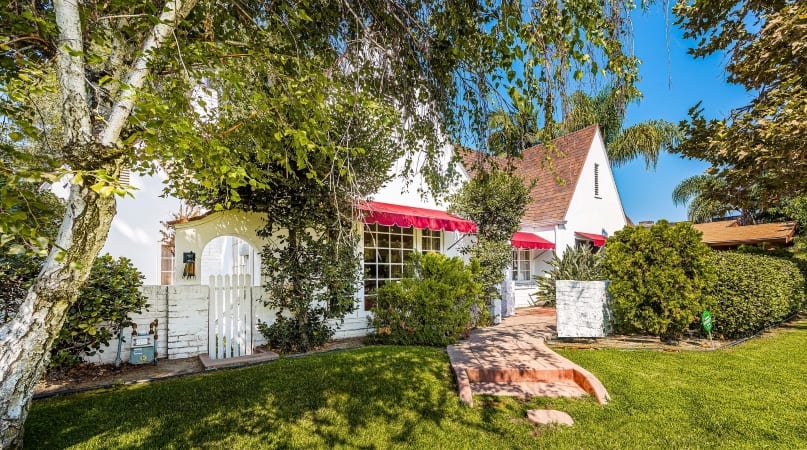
x=583, y=308
x=193, y=236
x=135, y=230
x=587, y=213
x=182, y=331
x=408, y=191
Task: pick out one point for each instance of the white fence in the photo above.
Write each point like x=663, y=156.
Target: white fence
x=184, y=316
x=230, y=317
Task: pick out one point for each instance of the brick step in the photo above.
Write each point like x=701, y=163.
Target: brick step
x=565, y=388
x=518, y=375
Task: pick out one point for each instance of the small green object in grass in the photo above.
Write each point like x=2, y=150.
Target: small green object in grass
x=706, y=321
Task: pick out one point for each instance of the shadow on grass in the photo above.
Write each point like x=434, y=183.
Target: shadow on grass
x=341, y=399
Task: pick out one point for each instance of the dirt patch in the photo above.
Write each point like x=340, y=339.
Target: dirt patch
x=637, y=343
x=89, y=376
x=690, y=343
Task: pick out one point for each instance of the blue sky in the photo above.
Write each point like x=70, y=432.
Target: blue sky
x=670, y=87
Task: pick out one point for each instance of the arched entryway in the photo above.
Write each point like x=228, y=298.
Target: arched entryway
x=230, y=266
x=230, y=255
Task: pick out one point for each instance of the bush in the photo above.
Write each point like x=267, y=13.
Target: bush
x=659, y=278
x=578, y=263
x=754, y=291
x=286, y=334
x=433, y=305
x=103, y=307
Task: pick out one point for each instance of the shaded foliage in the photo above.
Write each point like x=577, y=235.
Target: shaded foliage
x=103, y=309
x=758, y=149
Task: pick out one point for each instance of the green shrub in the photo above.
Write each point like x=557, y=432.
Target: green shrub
x=286, y=334
x=432, y=305
x=103, y=307
x=754, y=291
x=659, y=278
x=578, y=263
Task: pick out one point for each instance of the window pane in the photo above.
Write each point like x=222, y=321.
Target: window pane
x=408, y=241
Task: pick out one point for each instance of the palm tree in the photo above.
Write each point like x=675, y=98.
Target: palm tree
x=708, y=198
x=608, y=108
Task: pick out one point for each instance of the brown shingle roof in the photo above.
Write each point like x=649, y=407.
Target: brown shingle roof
x=729, y=233
x=556, y=173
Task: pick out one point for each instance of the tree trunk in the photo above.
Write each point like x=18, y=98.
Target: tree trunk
x=25, y=342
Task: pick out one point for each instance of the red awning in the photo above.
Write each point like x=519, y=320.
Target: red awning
x=410, y=216
x=597, y=239
x=528, y=240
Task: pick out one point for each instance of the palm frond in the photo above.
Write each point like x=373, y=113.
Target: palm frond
x=647, y=140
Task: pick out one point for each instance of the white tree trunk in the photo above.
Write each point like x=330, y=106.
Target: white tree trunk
x=25, y=342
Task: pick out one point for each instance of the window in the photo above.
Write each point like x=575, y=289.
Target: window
x=596, y=180
x=386, y=251
x=431, y=241
x=521, y=265
x=166, y=265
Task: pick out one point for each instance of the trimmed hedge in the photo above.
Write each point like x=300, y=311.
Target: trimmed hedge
x=660, y=277
x=754, y=291
x=432, y=305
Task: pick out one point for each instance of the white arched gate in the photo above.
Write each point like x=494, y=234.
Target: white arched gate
x=230, y=316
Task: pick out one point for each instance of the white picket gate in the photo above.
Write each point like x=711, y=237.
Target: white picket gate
x=230, y=316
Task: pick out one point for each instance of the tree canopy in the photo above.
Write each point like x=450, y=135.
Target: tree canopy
x=239, y=97
x=758, y=149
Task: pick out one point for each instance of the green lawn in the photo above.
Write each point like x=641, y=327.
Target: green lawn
x=752, y=396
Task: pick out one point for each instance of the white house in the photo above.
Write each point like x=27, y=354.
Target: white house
x=575, y=201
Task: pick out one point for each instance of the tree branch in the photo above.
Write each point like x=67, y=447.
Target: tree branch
x=70, y=70
x=174, y=12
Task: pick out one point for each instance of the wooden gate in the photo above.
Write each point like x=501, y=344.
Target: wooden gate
x=230, y=316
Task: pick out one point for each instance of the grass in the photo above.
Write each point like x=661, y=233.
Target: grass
x=752, y=396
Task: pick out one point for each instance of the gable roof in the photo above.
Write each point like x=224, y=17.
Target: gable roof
x=550, y=199
x=729, y=233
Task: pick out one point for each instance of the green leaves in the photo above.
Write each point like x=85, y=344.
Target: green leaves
x=495, y=201
x=103, y=308
x=757, y=149
x=660, y=278
x=754, y=291
x=432, y=305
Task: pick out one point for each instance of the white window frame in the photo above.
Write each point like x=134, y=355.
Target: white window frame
x=166, y=265
x=381, y=249
x=521, y=265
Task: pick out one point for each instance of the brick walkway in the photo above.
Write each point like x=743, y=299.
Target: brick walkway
x=512, y=359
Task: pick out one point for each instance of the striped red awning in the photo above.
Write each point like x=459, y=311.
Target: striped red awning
x=523, y=239
x=597, y=239
x=411, y=216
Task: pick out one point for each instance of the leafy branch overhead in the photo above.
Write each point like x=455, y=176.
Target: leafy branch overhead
x=235, y=99
x=757, y=149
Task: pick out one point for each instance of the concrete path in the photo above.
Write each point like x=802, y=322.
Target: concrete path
x=512, y=359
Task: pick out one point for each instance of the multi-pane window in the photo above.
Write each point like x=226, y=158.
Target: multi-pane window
x=431, y=241
x=521, y=265
x=166, y=265
x=386, y=251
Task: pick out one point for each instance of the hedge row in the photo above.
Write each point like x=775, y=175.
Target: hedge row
x=754, y=291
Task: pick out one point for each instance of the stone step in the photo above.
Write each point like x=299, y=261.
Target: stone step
x=518, y=374
x=565, y=388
